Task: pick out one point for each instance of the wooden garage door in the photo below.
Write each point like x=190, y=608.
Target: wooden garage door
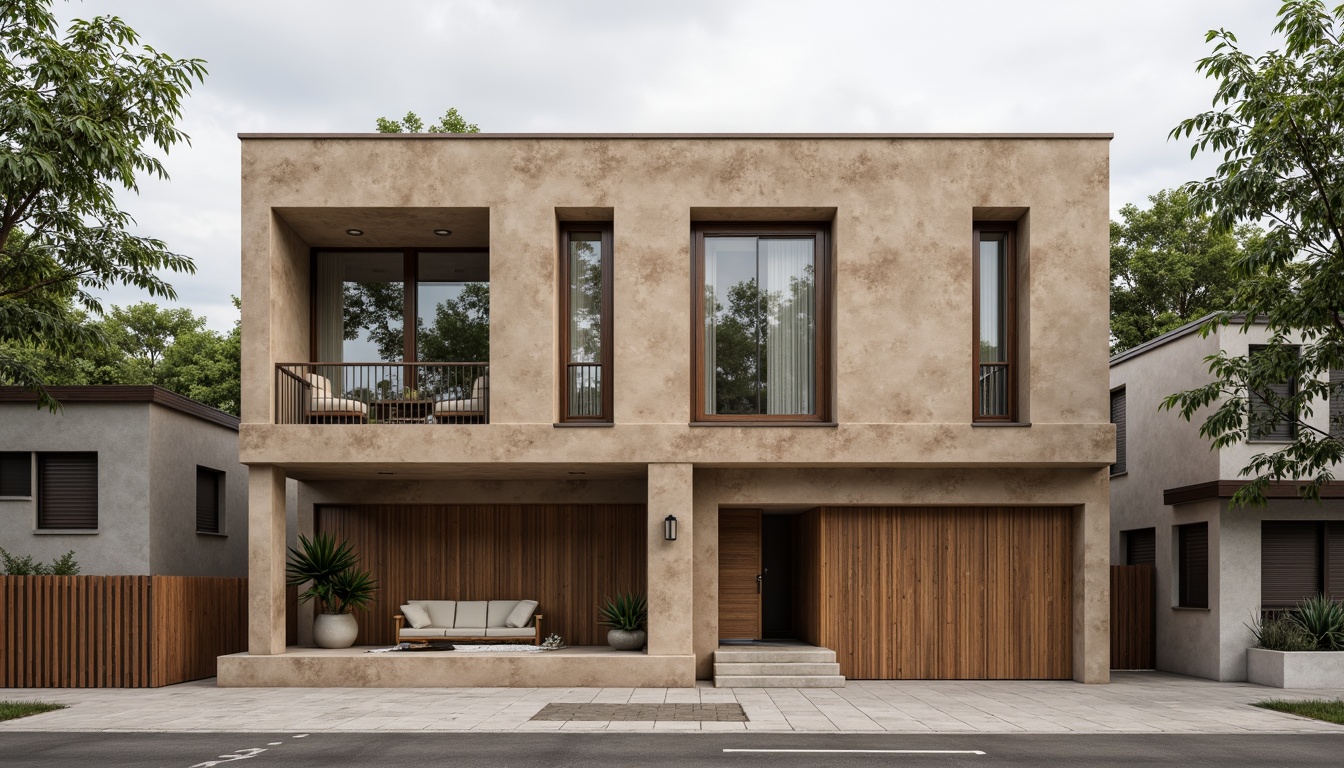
x=942, y=592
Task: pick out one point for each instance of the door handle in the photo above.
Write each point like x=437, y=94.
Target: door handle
x=758, y=583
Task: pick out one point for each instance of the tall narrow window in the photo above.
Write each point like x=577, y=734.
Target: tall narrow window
x=761, y=351
x=995, y=319
x=1118, y=419
x=67, y=491
x=1268, y=421
x=1141, y=546
x=1193, y=565
x=209, y=500
x=585, y=307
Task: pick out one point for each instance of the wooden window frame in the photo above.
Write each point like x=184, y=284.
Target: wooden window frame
x=219, y=477
x=608, y=332
x=821, y=232
x=1009, y=229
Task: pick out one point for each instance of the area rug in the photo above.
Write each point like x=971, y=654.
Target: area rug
x=496, y=648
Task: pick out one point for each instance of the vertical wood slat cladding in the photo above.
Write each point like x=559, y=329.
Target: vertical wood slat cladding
x=946, y=592
x=739, y=565
x=117, y=631
x=568, y=558
x=1133, y=612
x=807, y=602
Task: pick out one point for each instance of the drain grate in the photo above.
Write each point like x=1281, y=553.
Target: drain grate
x=713, y=713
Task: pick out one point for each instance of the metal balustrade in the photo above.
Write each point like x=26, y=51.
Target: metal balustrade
x=382, y=393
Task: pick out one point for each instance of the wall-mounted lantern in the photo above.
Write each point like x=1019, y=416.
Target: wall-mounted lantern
x=670, y=528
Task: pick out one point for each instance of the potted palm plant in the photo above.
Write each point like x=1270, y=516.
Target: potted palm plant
x=329, y=569
x=626, y=615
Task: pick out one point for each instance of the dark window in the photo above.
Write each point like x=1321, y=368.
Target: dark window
x=1337, y=403
x=1141, y=546
x=994, y=319
x=1193, y=548
x=67, y=491
x=1300, y=559
x=585, y=322
x=1118, y=419
x=761, y=349
x=1267, y=419
x=16, y=474
x=209, y=500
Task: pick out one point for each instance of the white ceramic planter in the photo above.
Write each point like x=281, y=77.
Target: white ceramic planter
x=623, y=640
x=1295, y=669
x=334, y=630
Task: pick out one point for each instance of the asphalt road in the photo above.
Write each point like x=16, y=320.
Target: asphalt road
x=523, y=750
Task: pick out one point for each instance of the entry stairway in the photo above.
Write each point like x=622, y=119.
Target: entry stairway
x=776, y=666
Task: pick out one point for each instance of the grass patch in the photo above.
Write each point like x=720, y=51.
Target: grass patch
x=10, y=710
x=1329, y=710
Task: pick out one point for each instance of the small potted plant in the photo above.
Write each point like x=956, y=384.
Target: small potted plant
x=330, y=571
x=626, y=615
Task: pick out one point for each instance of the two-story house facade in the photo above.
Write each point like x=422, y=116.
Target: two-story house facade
x=838, y=389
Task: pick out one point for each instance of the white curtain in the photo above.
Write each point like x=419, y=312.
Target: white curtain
x=711, y=326
x=329, y=300
x=788, y=279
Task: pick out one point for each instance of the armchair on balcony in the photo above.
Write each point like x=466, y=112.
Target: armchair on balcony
x=321, y=407
x=473, y=407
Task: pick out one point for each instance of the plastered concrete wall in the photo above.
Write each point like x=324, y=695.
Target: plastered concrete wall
x=178, y=444
x=120, y=434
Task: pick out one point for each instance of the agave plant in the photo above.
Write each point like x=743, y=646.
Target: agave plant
x=1323, y=620
x=626, y=612
x=330, y=571
x=1279, y=632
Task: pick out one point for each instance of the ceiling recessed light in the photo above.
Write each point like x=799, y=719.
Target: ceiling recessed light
x=354, y=232
x=443, y=232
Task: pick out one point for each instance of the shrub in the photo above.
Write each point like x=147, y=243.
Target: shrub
x=64, y=565
x=1322, y=619
x=1280, y=632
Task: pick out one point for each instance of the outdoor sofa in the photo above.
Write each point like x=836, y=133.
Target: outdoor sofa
x=421, y=621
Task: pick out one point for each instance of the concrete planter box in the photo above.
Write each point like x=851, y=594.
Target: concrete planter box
x=1295, y=669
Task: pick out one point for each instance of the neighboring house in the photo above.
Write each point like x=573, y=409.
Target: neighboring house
x=841, y=389
x=134, y=480
x=1217, y=567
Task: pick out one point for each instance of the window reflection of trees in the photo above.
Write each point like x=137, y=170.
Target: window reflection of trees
x=740, y=329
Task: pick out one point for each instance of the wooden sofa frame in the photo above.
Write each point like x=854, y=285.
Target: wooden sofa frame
x=400, y=621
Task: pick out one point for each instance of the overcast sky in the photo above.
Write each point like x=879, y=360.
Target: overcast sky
x=712, y=65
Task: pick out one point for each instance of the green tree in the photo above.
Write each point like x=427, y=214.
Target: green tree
x=1169, y=266
x=143, y=333
x=460, y=332
x=1277, y=124
x=79, y=115
x=451, y=122
x=206, y=366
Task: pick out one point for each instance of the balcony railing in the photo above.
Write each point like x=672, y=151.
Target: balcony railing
x=382, y=393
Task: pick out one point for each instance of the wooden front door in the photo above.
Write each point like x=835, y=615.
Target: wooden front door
x=739, y=574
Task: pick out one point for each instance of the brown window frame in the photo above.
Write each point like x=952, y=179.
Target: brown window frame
x=821, y=232
x=1009, y=229
x=567, y=228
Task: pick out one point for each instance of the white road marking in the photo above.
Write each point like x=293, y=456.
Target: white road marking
x=871, y=751
x=242, y=754
x=275, y=743
x=301, y=736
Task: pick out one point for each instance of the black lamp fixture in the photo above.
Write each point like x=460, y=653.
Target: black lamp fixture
x=670, y=528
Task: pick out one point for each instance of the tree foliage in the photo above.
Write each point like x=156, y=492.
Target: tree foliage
x=1278, y=125
x=451, y=122
x=1169, y=266
x=80, y=115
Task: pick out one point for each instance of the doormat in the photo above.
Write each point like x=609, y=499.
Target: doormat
x=709, y=713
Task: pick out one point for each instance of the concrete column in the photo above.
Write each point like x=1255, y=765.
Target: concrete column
x=671, y=570
x=1092, y=585
x=265, y=560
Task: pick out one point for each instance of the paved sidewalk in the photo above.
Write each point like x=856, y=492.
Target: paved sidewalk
x=1135, y=702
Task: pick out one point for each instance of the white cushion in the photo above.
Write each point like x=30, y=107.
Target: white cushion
x=497, y=614
x=510, y=632
x=522, y=614
x=465, y=632
x=426, y=632
x=470, y=405
x=416, y=616
x=441, y=612
x=318, y=383
x=470, y=613
x=327, y=404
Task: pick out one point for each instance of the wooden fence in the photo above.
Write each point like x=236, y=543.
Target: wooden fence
x=117, y=631
x=1133, y=634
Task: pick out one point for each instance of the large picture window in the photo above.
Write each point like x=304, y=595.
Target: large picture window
x=761, y=339
x=585, y=309
x=994, y=319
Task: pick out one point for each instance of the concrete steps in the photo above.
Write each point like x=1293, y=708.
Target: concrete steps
x=776, y=667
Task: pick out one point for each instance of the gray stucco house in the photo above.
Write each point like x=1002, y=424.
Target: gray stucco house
x=135, y=480
x=1216, y=566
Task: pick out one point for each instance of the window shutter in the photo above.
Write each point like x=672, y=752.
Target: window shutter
x=1194, y=562
x=1290, y=562
x=1334, y=556
x=67, y=491
x=207, y=500
x=1265, y=422
x=1337, y=403
x=1118, y=419
x=16, y=474
x=1141, y=547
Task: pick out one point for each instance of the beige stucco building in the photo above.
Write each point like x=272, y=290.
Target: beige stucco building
x=864, y=374
x=1217, y=567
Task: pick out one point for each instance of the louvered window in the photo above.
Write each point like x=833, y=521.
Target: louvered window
x=16, y=475
x=1334, y=559
x=67, y=491
x=1141, y=547
x=1267, y=421
x=1118, y=419
x=209, y=500
x=1299, y=559
x=1337, y=403
x=1193, y=548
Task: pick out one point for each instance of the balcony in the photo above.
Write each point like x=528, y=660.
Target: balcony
x=382, y=393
